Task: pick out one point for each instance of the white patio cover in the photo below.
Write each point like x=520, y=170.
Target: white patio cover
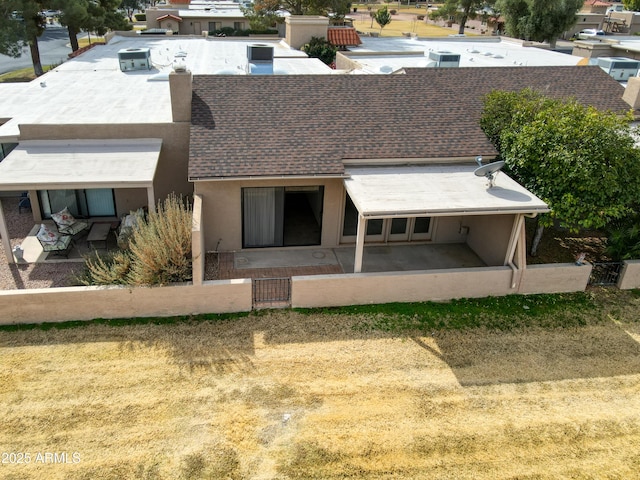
x=60, y=164
x=75, y=164
x=435, y=190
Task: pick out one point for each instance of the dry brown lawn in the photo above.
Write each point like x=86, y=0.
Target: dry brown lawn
x=282, y=395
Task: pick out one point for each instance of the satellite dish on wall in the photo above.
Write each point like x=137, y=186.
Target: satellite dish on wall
x=489, y=170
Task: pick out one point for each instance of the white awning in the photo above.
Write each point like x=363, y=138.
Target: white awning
x=435, y=190
x=71, y=164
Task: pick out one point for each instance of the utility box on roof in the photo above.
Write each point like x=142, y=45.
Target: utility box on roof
x=445, y=59
x=134, y=59
x=619, y=68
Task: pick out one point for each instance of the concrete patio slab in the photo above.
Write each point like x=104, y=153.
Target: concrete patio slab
x=390, y=258
x=315, y=257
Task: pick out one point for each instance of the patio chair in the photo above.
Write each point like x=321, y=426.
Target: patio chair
x=24, y=203
x=68, y=224
x=53, y=242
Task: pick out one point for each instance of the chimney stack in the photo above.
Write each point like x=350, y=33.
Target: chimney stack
x=180, y=89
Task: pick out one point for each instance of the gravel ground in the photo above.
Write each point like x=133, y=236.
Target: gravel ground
x=25, y=276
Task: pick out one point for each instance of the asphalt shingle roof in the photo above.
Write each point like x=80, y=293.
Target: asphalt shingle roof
x=306, y=125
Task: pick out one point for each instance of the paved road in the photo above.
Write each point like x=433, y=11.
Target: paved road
x=53, y=50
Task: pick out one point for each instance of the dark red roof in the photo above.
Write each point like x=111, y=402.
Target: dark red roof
x=284, y=125
x=343, y=36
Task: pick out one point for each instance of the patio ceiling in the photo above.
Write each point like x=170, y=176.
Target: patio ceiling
x=435, y=190
x=71, y=164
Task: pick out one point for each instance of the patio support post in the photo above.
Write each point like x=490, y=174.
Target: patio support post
x=6, y=241
x=518, y=225
x=151, y=199
x=362, y=228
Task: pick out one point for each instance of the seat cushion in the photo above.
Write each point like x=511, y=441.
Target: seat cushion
x=47, y=236
x=62, y=245
x=63, y=218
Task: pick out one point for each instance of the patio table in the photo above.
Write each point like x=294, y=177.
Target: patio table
x=98, y=234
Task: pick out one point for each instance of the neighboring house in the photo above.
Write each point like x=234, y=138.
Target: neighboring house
x=388, y=55
x=290, y=161
x=197, y=18
x=88, y=108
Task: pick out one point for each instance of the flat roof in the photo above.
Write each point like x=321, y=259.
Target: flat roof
x=436, y=190
x=74, y=164
x=91, y=89
x=389, y=54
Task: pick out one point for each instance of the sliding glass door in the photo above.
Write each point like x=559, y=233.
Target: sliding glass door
x=282, y=216
x=263, y=216
x=95, y=202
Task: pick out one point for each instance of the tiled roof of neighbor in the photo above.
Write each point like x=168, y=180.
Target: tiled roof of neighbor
x=307, y=125
x=343, y=36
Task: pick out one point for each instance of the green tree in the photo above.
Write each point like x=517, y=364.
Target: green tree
x=20, y=26
x=633, y=5
x=12, y=29
x=461, y=10
x=539, y=20
x=74, y=16
x=97, y=16
x=582, y=162
x=320, y=48
x=383, y=17
x=131, y=6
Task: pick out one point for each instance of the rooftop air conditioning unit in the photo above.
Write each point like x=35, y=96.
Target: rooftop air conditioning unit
x=445, y=59
x=619, y=68
x=260, y=59
x=134, y=59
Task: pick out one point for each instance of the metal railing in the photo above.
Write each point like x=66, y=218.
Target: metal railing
x=270, y=291
x=605, y=274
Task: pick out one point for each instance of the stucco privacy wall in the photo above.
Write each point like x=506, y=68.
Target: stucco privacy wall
x=555, y=278
x=630, y=275
x=222, y=202
x=86, y=303
x=222, y=296
x=197, y=242
x=434, y=285
x=365, y=288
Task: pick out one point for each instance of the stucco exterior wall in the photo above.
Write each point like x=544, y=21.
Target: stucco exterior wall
x=301, y=28
x=555, y=278
x=171, y=174
x=128, y=199
x=489, y=236
x=191, y=25
x=222, y=206
x=630, y=275
x=447, y=230
x=86, y=303
x=366, y=288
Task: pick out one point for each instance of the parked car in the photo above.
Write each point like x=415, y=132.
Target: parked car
x=588, y=33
